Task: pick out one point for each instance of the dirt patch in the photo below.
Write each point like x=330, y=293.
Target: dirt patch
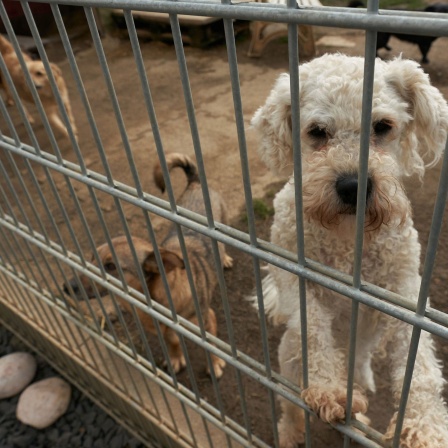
x=211, y=90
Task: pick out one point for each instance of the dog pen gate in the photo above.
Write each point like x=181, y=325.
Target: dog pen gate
x=53, y=208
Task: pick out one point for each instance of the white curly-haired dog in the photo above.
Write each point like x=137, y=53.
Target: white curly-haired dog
x=409, y=121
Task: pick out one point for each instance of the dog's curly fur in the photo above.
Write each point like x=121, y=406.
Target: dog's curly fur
x=409, y=125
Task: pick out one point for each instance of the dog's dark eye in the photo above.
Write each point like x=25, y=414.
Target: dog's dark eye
x=382, y=127
x=318, y=132
x=109, y=267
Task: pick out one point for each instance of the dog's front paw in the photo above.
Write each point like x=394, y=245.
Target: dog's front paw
x=419, y=432
x=30, y=118
x=329, y=402
x=177, y=363
x=218, y=367
x=227, y=261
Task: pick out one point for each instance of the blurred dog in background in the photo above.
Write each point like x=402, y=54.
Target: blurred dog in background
x=424, y=42
x=40, y=79
x=199, y=249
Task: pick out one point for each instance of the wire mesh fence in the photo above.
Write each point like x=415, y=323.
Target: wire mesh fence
x=91, y=251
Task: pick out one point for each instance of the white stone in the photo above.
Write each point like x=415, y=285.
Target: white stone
x=16, y=372
x=42, y=403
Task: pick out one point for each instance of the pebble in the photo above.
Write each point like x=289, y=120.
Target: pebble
x=11, y=430
x=16, y=372
x=42, y=403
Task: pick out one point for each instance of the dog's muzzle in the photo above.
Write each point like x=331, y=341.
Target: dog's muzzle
x=347, y=190
x=72, y=288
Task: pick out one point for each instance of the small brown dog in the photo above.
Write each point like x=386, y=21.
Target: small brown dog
x=199, y=250
x=42, y=84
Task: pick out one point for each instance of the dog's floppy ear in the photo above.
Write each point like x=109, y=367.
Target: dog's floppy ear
x=273, y=124
x=426, y=133
x=55, y=69
x=171, y=260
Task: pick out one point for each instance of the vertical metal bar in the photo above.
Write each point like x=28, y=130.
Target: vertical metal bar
x=91, y=120
x=113, y=97
x=3, y=109
x=369, y=71
x=35, y=33
x=428, y=267
x=53, y=188
x=155, y=129
x=197, y=148
x=7, y=255
x=293, y=51
x=242, y=145
x=239, y=119
x=30, y=85
x=7, y=81
x=125, y=140
x=84, y=99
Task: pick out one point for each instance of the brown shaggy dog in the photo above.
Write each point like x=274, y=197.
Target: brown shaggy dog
x=199, y=254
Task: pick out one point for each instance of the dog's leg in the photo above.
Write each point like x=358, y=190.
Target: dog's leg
x=177, y=358
x=68, y=108
x=212, y=327
x=54, y=119
x=426, y=419
x=25, y=110
x=326, y=394
x=369, y=334
x=9, y=100
x=291, y=427
x=424, y=49
x=226, y=260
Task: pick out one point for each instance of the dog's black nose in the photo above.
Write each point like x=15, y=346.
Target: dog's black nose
x=347, y=188
x=71, y=286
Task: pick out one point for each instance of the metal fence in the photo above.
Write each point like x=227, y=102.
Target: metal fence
x=47, y=237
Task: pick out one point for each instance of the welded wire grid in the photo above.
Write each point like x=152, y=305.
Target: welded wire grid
x=40, y=250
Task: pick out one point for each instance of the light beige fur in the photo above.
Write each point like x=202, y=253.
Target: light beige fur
x=41, y=82
x=408, y=134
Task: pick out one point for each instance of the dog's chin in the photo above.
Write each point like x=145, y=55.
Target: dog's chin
x=342, y=224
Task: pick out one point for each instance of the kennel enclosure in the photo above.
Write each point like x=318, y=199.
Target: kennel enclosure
x=61, y=198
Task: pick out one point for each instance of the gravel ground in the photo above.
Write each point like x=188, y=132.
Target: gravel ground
x=83, y=425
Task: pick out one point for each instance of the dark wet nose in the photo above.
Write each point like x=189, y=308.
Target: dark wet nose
x=71, y=286
x=347, y=188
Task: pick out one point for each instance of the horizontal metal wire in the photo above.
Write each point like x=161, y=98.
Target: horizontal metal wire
x=243, y=363
x=419, y=315
x=193, y=221
x=429, y=24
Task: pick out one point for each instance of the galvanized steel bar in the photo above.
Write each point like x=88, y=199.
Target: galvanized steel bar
x=30, y=84
x=62, y=110
x=350, y=286
x=219, y=235
x=155, y=129
x=387, y=21
x=175, y=28
x=293, y=51
x=366, y=118
x=242, y=145
x=103, y=64
x=428, y=267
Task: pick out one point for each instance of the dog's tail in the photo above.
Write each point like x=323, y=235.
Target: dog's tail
x=271, y=301
x=5, y=46
x=176, y=160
